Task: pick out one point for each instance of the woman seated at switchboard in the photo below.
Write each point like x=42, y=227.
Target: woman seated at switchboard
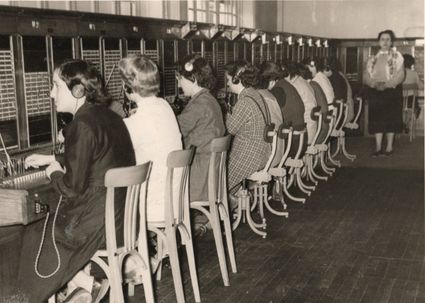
x=200, y=121
x=289, y=100
x=95, y=141
x=265, y=84
x=335, y=66
x=307, y=96
x=154, y=133
x=245, y=121
x=317, y=67
x=320, y=98
x=153, y=127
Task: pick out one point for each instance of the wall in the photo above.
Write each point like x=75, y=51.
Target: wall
x=265, y=18
x=351, y=19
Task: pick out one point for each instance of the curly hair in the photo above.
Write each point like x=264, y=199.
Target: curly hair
x=269, y=71
x=76, y=72
x=199, y=70
x=304, y=71
x=141, y=74
x=244, y=71
x=290, y=69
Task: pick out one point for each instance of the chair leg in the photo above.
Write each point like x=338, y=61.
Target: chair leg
x=216, y=227
x=345, y=152
x=191, y=261
x=285, y=190
x=147, y=274
x=174, y=262
x=332, y=160
x=313, y=172
x=159, y=253
x=326, y=169
x=337, y=148
x=115, y=280
x=229, y=240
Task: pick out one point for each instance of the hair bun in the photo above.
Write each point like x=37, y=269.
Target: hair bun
x=188, y=66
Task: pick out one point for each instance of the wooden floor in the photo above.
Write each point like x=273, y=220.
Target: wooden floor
x=359, y=238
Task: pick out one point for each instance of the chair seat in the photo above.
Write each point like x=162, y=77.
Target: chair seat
x=322, y=147
x=312, y=150
x=277, y=171
x=294, y=162
x=352, y=125
x=260, y=177
x=338, y=133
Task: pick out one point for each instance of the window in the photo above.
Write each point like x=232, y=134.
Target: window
x=128, y=8
x=213, y=11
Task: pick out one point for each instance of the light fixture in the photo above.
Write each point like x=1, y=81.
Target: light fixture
x=325, y=43
x=300, y=41
x=277, y=39
x=289, y=40
x=264, y=39
x=317, y=43
x=35, y=24
x=310, y=42
x=92, y=26
x=135, y=29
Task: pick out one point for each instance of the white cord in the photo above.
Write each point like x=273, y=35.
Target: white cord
x=54, y=244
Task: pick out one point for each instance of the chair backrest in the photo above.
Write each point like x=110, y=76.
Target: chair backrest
x=286, y=134
x=217, y=171
x=316, y=115
x=134, y=178
x=177, y=160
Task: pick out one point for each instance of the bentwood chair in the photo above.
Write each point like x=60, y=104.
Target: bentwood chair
x=410, y=93
x=135, y=244
x=260, y=196
x=176, y=219
x=216, y=209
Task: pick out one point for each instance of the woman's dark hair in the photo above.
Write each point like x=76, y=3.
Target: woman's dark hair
x=304, y=71
x=322, y=64
x=388, y=32
x=334, y=64
x=409, y=61
x=75, y=72
x=269, y=71
x=243, y=71
x=290, y=68
x=197, y=68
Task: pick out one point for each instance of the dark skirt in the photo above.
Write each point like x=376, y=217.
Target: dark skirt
x=385, y=110
x=77, y=241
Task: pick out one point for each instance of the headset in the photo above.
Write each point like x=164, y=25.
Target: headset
x=188, y=67
x=77, y=88
x=236, y=78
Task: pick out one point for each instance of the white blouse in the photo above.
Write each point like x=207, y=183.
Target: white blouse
x=326, y=86
x=155, y=133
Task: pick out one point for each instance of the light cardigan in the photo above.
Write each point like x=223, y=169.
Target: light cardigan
x=385, y=66
x=326, y=86
x=155, y=133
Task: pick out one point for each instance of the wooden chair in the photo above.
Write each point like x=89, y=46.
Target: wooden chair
x=217, y=208
x=409, y=116
x=176, y=220
x=135, y=241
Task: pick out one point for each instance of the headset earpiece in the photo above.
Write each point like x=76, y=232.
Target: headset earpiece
x=78, y=91
x=236, y=80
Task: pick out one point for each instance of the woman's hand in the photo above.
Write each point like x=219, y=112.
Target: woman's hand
x=37, y=160
x=61, y=138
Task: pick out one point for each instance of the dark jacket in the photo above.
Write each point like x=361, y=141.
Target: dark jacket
x=200, y=122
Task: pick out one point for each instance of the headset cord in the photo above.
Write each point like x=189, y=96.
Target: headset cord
x=54, y=244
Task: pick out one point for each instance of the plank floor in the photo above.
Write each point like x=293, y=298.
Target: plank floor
x=359, y=238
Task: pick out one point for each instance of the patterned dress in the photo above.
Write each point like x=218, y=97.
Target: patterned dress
x=249, y=152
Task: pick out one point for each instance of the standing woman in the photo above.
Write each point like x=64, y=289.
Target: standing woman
x=95, y=141
x=383, y=75
x=200, y=121
x=249, y=152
